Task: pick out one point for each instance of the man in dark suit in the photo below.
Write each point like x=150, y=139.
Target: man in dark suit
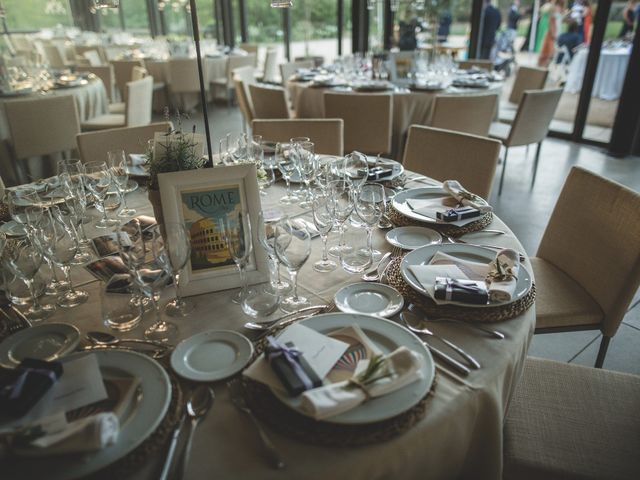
x=490, y=25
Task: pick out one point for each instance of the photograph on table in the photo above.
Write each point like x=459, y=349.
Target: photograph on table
x=206, y=201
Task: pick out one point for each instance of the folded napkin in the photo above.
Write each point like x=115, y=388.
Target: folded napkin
x=401, y=367
x=468, y=199
x=85, y=435
x=501, y=286
x=136, y=159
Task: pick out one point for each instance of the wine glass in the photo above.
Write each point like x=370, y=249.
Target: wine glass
x=72, y=173
x=307, y=167
x=370, y=207
x=287, y=167
x=18, y=201
x=267, y=238
x=236, y=227
x=62, y=246
x=178, y=246
x=342, y=194
x=74, y=206
x=22, y=257
x=323, y=214
x=293, y=246
x=98, y=181
x=356, y=169
x=118, y=164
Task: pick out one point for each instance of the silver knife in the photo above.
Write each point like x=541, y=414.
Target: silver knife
x=168, y=463
x=452, y=362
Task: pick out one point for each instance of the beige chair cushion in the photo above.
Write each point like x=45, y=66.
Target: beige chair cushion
x=464, y=113
x=593, y=236
x=93, y=146
x=325, y=133
x=243, y=101
x=572, y=422
x=102, y=122
x=560, y=301
x=499, y=131
x=247, y=75
x=534, y=116
x=271, y=67
x=527, y=78
x=92, y=57
x=269, y=102
x=119, y=107
x=139, y=102
x=446, y=155
x=367, y=120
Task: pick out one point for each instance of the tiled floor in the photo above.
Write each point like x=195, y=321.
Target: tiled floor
x=526, y=210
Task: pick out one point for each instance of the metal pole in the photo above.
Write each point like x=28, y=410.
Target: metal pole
x=340, y=20
x=203, y=96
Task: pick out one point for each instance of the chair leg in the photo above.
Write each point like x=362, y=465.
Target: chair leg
x=602, y=352
x=504, y=167
x=535, y=164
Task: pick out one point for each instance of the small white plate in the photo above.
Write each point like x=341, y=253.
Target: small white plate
x=12, y=229
x=410, y=238
x=370, y=299
x=48, y=341
x=212, y=355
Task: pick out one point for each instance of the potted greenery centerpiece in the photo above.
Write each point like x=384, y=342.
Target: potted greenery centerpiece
x=174, y=151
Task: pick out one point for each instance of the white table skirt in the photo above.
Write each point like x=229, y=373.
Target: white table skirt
x=409, y=108
x=610, y=75
x=460, y=435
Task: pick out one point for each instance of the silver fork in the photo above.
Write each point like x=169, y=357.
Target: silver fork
x=241, y=404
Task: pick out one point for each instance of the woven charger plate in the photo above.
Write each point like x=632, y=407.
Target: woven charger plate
x=306, y=429
x=400, y=220
x=468, y=314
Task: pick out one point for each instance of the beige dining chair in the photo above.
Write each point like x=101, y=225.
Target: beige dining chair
x=587, y=267
x=41, y=126
x=527, y=78
x=184, y=80
x=288, y=69
x=104, y=73
x=567, y=421
x=243, y=104
x=448, y=155
x=530, y=125
x=326, y=133
x=93, y=57
x=56, y=57
x=269, y=102
x=270, y=70
x=226, y=82
x=93, y=146
x=251, y=48
x=122, y=70
x=80, y=50
x=475, y=63
x=139, y=99
x=367, y=120
x=247, y=75
x=464, y=113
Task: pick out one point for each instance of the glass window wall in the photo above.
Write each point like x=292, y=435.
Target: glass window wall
x=29, y=15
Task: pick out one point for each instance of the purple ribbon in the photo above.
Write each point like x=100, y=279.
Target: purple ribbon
x=291, y=356
x=18, y=385
x=451, y=283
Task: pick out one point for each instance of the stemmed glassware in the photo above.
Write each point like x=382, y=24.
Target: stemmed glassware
x=178, y=247
x=75, y=206
x=23, y=257
x=237, y=235
x=323, y=214
x=98, y=181
x=267, y=238
x=342, y=193
x=307, y=164
x=118, y=164
x=19, y=200
x=72, y=171
x=293, y=246
x=287, y=167
x=370, y=206
x=61, y=246
x=356, y=169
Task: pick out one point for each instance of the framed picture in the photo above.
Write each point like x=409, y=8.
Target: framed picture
x=202, y=200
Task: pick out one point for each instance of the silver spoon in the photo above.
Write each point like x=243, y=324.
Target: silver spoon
x=104, y=338
x=493, y=333
x=374, y=274
x=267, y=324
x=409, y=317
x=198, y=405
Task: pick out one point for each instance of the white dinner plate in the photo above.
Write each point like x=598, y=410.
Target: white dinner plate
x=387, y=336
x=212, y=355
x=47, y=341
x=396, y=167
x=410, y=238
x=423, y=255
x=369, y=298
x=13, y=229
x=142, y=422
x=400, y=204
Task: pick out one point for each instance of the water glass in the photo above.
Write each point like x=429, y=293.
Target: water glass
x=342, y=193
x=369, y=206
x=356, y=169
x=307, y=163
x=267, y=238
x=323, y=214
x=293, y=247
x=237, y=235
x=355, y=256
x=287, y=167
x=178, y=246
x=117, y=161
x=119, y=312
x=98, y=181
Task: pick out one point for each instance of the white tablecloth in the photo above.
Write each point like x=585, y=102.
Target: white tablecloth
x=409, y=108
x=460, y=435
x=610, y=75
x=91, y=100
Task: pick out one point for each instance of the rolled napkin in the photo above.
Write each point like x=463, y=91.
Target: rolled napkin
x=468, y=199
x=395, y=370
x=85, y=435
x=503, y=275
x=461, y=290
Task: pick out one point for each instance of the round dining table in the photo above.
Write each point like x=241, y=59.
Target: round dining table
x=610, y=75
x=409, y=107
x=459, y=436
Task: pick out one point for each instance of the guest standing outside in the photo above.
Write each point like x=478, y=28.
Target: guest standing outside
x=555, y=14
x=490, y=25
x=587, y=19
x=628, y=17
